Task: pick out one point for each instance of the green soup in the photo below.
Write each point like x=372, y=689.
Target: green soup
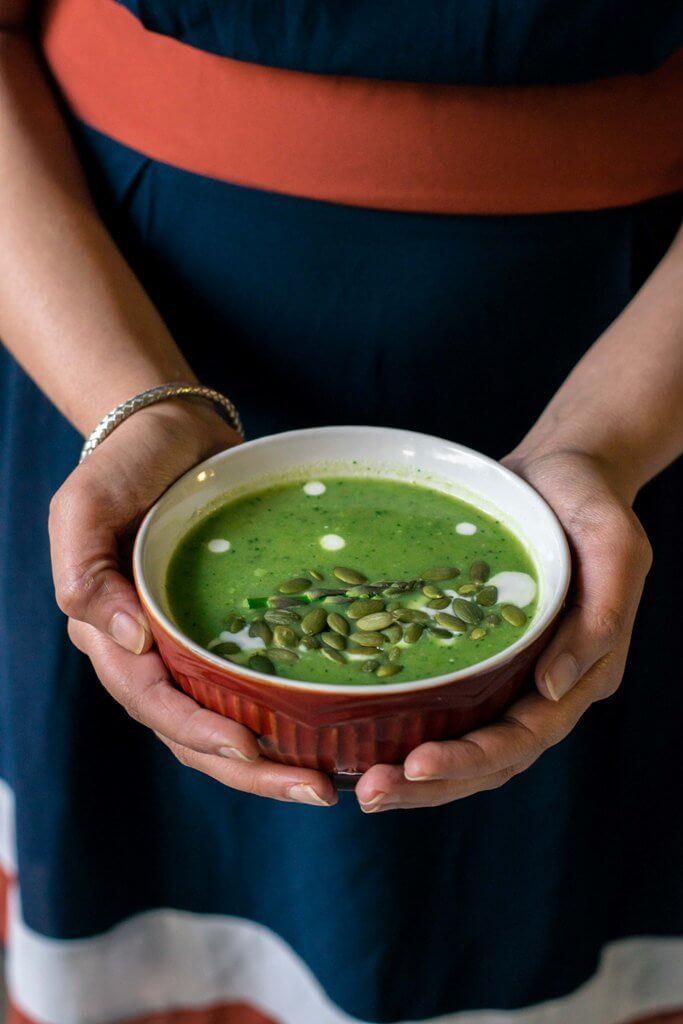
x=352, y=580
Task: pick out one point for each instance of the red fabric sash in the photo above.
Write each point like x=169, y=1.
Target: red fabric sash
x=366, y=142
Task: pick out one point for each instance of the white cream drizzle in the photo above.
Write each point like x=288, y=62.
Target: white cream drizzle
x=332, y=542
x=246, y=642
x=466, y=529
x=314, y=488
x=514, y=588
x=219, y=545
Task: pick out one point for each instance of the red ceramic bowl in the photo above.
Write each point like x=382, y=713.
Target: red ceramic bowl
x=343, y=730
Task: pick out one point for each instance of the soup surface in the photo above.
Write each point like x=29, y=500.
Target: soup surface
x=352, y=580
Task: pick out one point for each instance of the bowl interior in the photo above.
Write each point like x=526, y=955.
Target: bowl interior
x=355, y=451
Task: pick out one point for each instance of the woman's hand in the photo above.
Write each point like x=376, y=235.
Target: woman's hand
x=93, y=519
x=583, y=663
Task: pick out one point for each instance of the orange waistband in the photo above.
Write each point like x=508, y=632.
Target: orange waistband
x=365, y=142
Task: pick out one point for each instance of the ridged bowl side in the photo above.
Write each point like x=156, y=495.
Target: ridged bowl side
x=346, y=732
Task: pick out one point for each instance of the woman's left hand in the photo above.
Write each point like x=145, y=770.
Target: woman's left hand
x=583, y=663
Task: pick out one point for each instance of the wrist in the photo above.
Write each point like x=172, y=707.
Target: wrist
x=195, y=423
x=614, y=461
x=177, y=431
x=125, y=381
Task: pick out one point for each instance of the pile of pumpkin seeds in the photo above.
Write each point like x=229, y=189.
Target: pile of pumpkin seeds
x=357, y=616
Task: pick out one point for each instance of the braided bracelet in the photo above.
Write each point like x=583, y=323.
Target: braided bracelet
x=160, y=393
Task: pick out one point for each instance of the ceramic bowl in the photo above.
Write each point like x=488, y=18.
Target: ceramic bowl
x=343, y=730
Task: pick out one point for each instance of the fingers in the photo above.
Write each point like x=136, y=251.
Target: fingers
x=200, y=738
x=520, y=737
x=88, y=583
x=261, y=778
x=494, y=748
x=612, y=561
x=385, y=788
x=487, y=758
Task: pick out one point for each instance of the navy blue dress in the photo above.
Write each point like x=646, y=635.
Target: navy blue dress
x=560, y=895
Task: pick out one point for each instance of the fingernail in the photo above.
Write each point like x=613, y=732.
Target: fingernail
x=128, y=632
x=306, y=795
x=562, y=675
x=236, y=755
x=417, y=778
x=373, y=804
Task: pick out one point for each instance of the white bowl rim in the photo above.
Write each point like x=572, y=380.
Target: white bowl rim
x=346, y=689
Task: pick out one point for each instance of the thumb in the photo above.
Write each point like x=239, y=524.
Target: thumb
x=89, y=584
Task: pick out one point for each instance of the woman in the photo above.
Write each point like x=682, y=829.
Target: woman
x=445, y=217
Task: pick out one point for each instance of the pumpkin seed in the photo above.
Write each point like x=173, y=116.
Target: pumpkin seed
x=468, y=611
x=276, y=601
x=314, y=622
x=375, y=622
x=430, y=590
x=260, y=663
x=514, y=615
x=487, y=596
x=310, y=643
x=393, y=633
x=262, y=630
x=441, y=572
x=333, y=655
x=410, y=615
x=469, y=588
x=439, y=603
x=443, y=633
x=295, y=586
x=492, y=619
x=368, y=639
x=350, y=576
x=283, y=636
x=281, y=617
x=332, y=639
x=394, y=654
x=315, y=575
x=360, y=608
x=283, y=655
x=226, y=648
x=338, y=623
x=370, y=665
x=451, y=622
x=358, y=591
x=480, y=571
x=384, y=671
x=236, y=624
x=477, y=633
x=413, y=632
x=319, y=593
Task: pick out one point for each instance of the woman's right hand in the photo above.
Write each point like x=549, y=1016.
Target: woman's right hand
x=93, y=519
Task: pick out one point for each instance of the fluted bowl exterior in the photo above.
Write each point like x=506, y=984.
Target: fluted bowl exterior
x=342, y=733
